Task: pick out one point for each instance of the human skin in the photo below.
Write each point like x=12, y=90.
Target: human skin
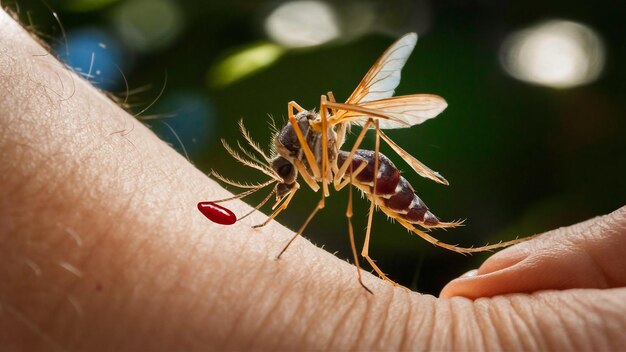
x=102, y=248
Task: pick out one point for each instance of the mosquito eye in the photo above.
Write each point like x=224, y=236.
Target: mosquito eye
x=285, y=170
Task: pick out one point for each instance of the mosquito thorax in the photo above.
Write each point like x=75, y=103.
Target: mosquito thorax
x=286, y=141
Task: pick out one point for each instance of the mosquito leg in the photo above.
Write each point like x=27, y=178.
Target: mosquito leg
x=352, y=174
x=444, y=225
x=293, y=104
x=259, y=205
x=341, y=135
x=325, y=174
x=310, y=158
x=376, y=157
x=366, y=245
x=351, y=232
x=280, y=208
x=319, y=206
x=342, y=171
x=331, y=98
x=341, y=128
x=305, y=175
x=451, y=247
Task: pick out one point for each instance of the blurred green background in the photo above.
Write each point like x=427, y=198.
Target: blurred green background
x=533, y=138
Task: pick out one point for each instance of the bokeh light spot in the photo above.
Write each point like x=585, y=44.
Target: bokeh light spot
x=148, y=24
x=297, y=24
x=85, y=5
x=95, y=55
x=558, y=54
x=186, y=120
x=244, y=62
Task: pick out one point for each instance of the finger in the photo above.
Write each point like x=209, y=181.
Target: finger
x=586, y=255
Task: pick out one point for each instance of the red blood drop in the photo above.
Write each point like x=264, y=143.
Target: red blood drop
x=217, y=213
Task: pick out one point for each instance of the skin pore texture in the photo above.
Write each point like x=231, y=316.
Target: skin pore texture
x=102, y=248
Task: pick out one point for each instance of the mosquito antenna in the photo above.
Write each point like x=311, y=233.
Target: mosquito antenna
x=259, y=206
x=264, y=169
x=244, y=194
x=235, y=183
x=272, y=124
x=251, y=142
x=248, y=154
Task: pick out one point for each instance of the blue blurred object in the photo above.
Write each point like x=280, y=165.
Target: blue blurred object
x=95, y=55
x=186, y=120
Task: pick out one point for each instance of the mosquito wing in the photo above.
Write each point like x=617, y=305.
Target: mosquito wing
x=396, y=112
x=415, y=164
x=382, y=79
x=373, y=97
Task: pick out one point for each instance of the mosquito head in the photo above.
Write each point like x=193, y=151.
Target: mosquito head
x=287, y=172
x=282, y=189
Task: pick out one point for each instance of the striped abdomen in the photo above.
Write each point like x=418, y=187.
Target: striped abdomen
x=393, y=192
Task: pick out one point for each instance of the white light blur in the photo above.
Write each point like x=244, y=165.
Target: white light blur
x=558, y=54
x=298, y=24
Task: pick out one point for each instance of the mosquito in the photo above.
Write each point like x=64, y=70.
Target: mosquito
x=309, y=145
